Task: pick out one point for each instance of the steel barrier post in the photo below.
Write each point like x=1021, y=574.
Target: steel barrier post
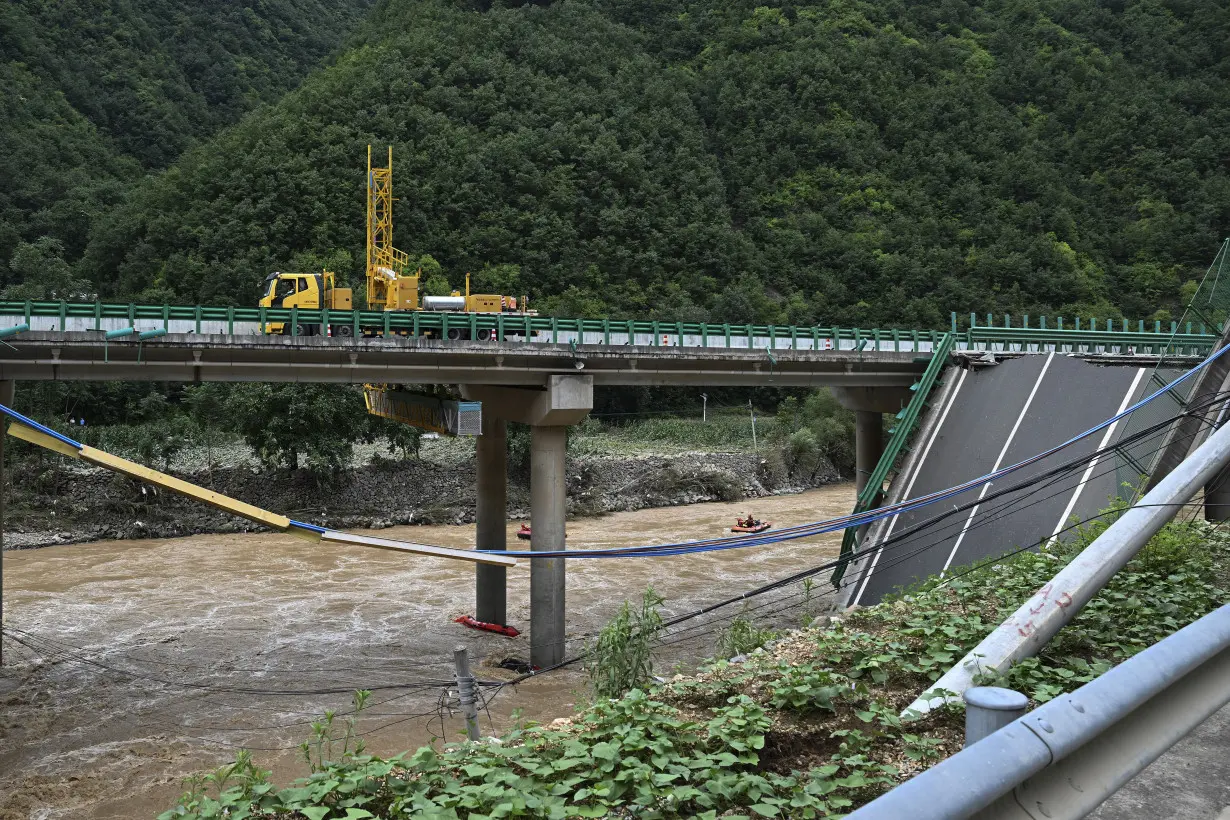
x=989, y=709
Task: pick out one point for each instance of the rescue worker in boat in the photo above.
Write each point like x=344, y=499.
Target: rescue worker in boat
x=747, y=522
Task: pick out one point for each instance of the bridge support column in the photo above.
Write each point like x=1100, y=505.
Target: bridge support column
x=1217, y=497
x=491, y=519
x=869, y=405
x=548, y=410
x=868, y=445
x=548, y=505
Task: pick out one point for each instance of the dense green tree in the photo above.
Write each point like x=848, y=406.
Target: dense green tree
x=93, y=92
x=833, y=162
x=43, y=273
x=282, y=422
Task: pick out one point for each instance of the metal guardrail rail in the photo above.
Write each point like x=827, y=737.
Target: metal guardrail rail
x=907, y=420
x=1066, y=757
x=67, y=316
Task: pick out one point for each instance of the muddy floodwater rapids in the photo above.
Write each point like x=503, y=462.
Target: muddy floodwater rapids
x=140, y=662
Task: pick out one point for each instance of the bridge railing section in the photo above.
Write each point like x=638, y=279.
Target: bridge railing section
x=201, y=319
x=907, y=419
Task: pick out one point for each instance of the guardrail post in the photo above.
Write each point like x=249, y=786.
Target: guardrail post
x=989, y=709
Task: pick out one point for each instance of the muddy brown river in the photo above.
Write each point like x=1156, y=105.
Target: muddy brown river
x=135, y=663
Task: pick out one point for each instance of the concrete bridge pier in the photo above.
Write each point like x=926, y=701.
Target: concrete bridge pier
x=869, y=405
x=7, y=389
x=566, y=400
x=548, y=505
x=868, y=445
x=491, y=519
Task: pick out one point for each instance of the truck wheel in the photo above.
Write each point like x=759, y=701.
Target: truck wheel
x=343, y=330
x=454, y=333
x=486, y=335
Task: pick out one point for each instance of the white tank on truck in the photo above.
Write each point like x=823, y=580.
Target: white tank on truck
x=444, y=303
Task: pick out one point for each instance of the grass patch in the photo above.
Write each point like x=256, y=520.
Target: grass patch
x=809, y=728
x=722, y=432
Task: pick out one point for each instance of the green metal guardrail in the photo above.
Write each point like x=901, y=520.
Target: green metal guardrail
x=507, y=327
x=907, y=419
x=1000, y=338
x=504, y=326
x=959, y=324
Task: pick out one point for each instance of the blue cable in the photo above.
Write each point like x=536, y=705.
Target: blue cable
x=8, y=411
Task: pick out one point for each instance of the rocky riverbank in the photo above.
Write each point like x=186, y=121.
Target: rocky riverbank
x=60, y=502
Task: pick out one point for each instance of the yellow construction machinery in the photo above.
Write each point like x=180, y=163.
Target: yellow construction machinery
x=391, y=284
x=308, y=291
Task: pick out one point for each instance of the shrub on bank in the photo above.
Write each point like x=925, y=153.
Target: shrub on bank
x=805, y=729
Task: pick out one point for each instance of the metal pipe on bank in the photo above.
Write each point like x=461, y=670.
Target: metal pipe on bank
x=1024, y=633
x=1069, y=755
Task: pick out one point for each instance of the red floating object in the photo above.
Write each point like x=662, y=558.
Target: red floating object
x=506, y=631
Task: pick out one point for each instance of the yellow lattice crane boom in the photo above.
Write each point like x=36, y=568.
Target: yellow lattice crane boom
x=388, y=285
x=392, y=284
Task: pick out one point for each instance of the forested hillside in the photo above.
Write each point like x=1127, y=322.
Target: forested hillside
x=833, y=161
x=94, y=93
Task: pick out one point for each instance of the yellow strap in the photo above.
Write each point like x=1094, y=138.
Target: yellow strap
x=25, y=433
x=217, y=500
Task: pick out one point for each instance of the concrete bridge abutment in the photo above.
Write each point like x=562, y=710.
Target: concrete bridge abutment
x=566, y=400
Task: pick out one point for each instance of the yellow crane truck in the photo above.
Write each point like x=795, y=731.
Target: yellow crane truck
x=390, y=284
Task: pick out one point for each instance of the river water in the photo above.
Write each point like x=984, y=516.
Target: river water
x=150, y=660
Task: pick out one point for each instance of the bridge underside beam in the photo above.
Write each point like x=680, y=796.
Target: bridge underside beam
x=85, y=356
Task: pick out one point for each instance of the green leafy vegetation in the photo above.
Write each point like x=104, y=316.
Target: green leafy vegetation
x=743, y=636
x=621, y=657
x=808, y=728
x=286, y=426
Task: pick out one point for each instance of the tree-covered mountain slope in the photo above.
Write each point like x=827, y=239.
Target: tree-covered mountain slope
x=835, y=161
x=94, y=92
